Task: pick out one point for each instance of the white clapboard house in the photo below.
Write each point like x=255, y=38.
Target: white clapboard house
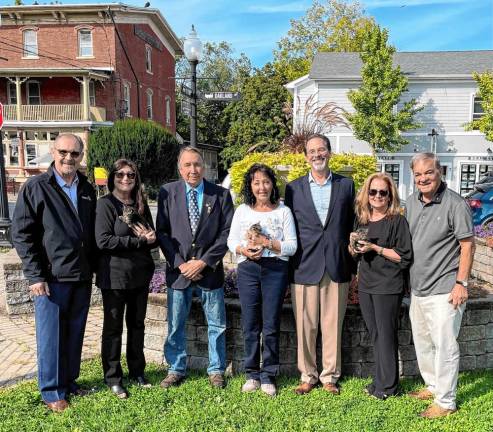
x=440, y=81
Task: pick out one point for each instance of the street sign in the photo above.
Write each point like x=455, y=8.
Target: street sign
x=1, y=115
x=186, y=107
x=185, y=90
x=222, y=96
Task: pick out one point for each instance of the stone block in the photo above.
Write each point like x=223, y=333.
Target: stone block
x=405, y=322
x=467, y=363
x=489, y=330
x=365, y=340
x=20, y=309
x=234, y=320
x=158, y=328
x=197, y=363
x=351, y=369
x=288, y=356
x=153, y=356
x=157, y=312
x=489, y=361
x=407, y=352
x=235, y=352
x=202, y=334
x=472, y=347
x=481, y=361
x=288, y=369
x=477, y=316
x=351, y=339
x=197, y=348
x=469, y=333
x=153, y=342
x=190, y=331
x=404, y=337
x=357, y=355
x=410, y=368
x=488, y=345
x=288, y=323
x=353, y=323
x=287, y=340
x=17, y=297
x=367, y=369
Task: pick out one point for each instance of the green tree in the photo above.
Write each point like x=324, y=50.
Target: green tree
x=485, y=93
x=219, y=70
x=378, y=119
x=330, y=25
x=256, y=120
x=152, y=147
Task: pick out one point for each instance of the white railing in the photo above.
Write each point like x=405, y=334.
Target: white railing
x=53, y=113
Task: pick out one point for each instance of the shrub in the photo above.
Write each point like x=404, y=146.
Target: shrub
x=290, y=166
x=152, y=147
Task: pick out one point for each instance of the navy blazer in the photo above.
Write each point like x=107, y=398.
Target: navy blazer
x=321, y=248
x=210, y=241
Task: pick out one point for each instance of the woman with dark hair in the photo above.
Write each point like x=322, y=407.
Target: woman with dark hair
x=382, y=242
x=125, y=234
x=262, y=237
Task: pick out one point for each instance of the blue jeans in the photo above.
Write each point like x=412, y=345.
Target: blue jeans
x=179, y=303
x=262, y=285
x=60, y=324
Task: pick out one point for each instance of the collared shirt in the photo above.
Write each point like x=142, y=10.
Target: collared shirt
x=436, y=228
x=321, y=196
x=200, y=194
x=70, y=190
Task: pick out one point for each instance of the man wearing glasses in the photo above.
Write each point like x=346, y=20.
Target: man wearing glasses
x=441, y=227
x=53, y=233
x=322, y=206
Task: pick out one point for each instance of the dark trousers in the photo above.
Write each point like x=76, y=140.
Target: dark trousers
x=60, y=324
x=114, y=304
x=262, y=285
x=381, y=315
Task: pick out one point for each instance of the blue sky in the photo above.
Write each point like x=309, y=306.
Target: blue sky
x=254, y=26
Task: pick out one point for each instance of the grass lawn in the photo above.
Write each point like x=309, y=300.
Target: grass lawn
x=196, y=407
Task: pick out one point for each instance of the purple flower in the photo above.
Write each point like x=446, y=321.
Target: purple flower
x=158, y=281
x=484, y=231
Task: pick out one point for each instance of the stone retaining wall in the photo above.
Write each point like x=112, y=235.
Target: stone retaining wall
x=482, y=267
x=14, y=289
x=476, y=338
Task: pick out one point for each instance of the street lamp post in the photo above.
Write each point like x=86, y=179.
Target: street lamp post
x=193, y=53
x=5, y=222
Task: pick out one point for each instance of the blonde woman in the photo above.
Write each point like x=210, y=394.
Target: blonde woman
x=385, y=253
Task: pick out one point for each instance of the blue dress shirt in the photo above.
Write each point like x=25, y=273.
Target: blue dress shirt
x=321, y=196
x=70, y=190
x=200, y=194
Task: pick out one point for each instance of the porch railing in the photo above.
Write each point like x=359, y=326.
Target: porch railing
x=53, y=113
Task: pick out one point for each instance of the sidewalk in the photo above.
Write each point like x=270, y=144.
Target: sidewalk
x=18, y=344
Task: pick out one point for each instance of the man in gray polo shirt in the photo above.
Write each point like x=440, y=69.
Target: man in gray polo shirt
x=441, y=227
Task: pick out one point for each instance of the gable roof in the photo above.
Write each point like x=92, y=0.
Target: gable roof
x=431, y=64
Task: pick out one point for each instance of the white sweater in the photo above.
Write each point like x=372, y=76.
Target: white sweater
x=278, y=224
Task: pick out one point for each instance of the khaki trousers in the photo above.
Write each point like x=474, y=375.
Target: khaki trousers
x=324, y=303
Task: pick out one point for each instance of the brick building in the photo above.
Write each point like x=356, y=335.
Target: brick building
x=75, y=68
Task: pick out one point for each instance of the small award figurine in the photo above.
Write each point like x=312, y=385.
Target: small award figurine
x=131, y=217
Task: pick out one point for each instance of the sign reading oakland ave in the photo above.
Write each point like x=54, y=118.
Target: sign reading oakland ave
x=222, y=96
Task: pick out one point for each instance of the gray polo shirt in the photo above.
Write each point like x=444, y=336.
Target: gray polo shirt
x=436, y=228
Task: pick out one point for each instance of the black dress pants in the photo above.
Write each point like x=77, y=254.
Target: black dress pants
x=114, y=304
x=381, y=315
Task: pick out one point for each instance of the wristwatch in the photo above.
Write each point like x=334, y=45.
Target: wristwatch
x=465, y=284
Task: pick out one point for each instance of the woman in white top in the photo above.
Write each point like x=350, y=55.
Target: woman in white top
x=262, y=237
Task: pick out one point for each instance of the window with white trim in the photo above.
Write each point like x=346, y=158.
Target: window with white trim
x=477, y=108
x=149, y=103
x=85, y=43
x=148, y=59
x=167, y=100
x=33, y=93
x=30, y=43
x=31, y=151
x=471, y=173
x=126, y=100
x=11, y=94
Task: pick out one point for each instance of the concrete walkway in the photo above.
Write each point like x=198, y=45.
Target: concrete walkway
x=18, y=344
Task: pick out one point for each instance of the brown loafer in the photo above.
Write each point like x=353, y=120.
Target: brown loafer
x=423, y=394
x=331, y=388
x=57, y=406
x=172, y=380
x=217, y=380
x=304, y=388
x=436, y=411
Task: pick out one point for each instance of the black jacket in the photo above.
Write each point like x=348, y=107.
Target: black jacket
x=210, y=240
x=125, y=260
x=54, y=241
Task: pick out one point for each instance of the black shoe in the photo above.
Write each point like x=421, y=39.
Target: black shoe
x=119, y=391
x=141, y=381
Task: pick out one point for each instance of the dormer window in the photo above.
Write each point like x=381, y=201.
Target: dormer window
x=85, y=43
x=30, y=43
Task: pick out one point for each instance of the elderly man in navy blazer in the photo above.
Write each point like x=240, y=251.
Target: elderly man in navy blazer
x=193, y=221
x=322, y=206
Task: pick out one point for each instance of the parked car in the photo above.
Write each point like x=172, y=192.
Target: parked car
x=481, y=202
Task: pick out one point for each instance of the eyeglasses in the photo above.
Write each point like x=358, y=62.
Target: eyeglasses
x=120, y=175
x=63, y=153
x=374, y=192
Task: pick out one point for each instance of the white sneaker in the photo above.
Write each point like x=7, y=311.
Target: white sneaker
x=269, y=389
x=251, y=385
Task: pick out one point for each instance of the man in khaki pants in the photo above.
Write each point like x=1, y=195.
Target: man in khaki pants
x=322, y=206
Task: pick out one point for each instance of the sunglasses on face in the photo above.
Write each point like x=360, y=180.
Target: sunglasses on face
x=63, y=153
x=374, y=192
x=120, y=175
